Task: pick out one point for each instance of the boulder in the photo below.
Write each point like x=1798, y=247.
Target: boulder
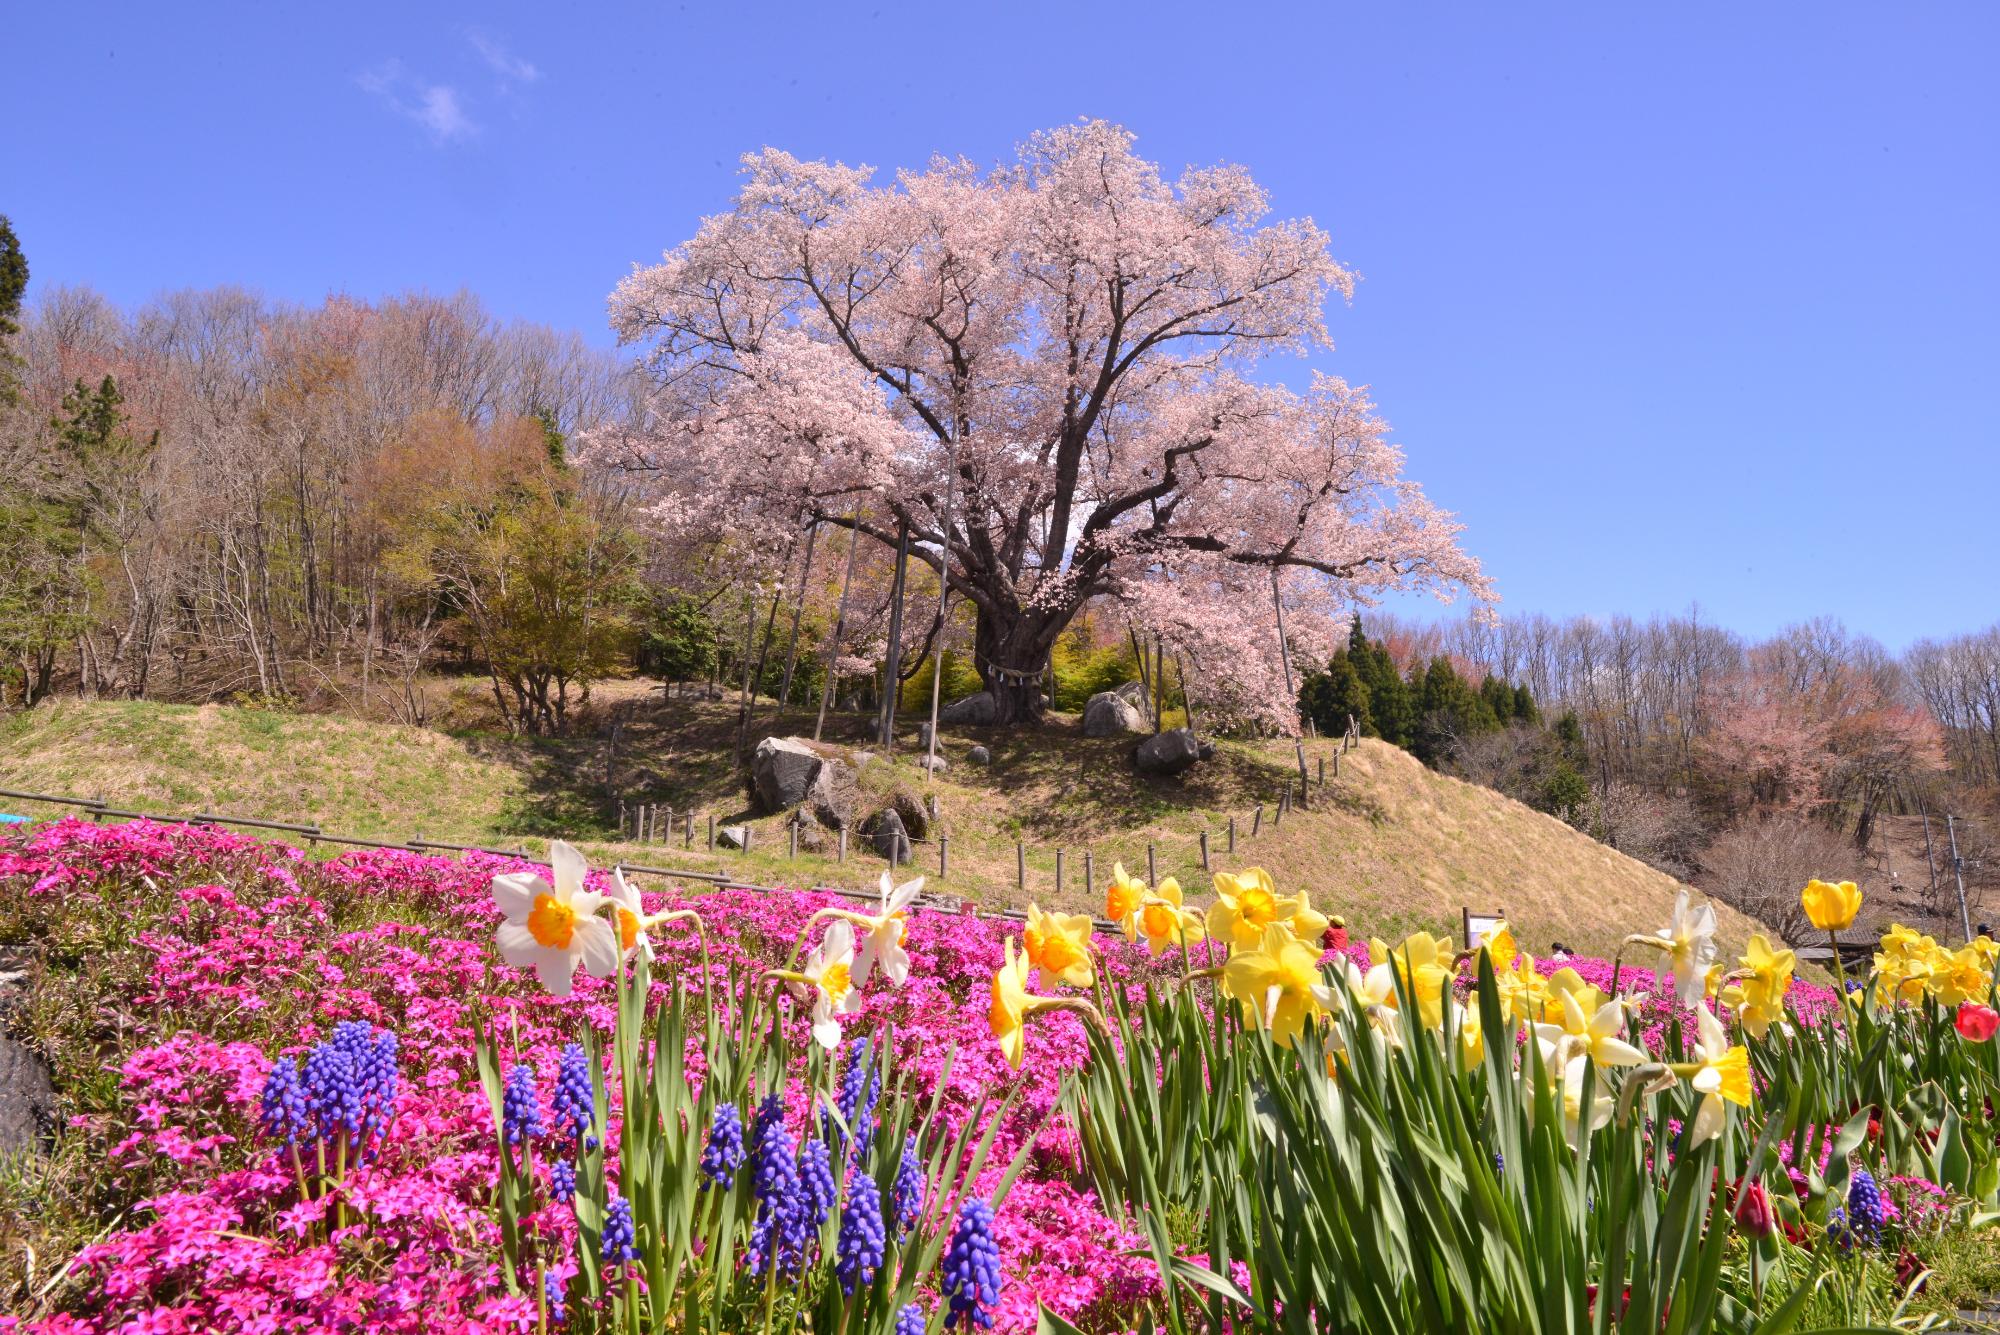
x=936, y=764
x=834, y=798
x=910, y=809
x=1174, y=751
x=782, y=771
x=812, y=839
x=979, y=755
x=924, y=735
x=891, y=840
x=27, y=1099
x=1135, y=694
x=733, y=836
x=974, y=711
x=1109, y=714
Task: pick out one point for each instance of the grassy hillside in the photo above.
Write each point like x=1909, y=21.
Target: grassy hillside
x=1390, y=844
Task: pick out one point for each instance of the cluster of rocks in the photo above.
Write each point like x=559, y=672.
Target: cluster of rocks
x=792, y=774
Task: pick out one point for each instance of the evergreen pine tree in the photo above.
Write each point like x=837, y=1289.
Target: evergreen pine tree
x=1524, y=706
x=1331, y=696
x=13, y=283
x=1499, y=698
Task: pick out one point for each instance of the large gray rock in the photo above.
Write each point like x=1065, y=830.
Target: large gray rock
x=891, y=840
x=979, y=755
x=782, y=770
x=1109, y=714
x=27, y=1099
x=910, y=809
x=835, y=798
x=1174, y=751
x=973, y=711
x=1134, y=693
x=733, y=836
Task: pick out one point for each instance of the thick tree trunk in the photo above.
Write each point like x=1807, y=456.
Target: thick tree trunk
x=1013, y=659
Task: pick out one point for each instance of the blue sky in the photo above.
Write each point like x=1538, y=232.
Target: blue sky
x=1672, y=303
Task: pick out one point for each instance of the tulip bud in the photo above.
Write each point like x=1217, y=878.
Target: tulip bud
x=1753, y=1210
x=1977, y=1022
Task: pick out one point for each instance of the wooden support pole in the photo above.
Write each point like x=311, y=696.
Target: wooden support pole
x=791, y=838
x=1322, y=771
x=711, y=831
x=839, y=624
x=1020, y=864
x=841, y=855
x=690, y=827
x=1059, y=873
x=1232, y=834
x=1089, y=872
x=1257, y=822
x=621, y=818
x=1152, y=869
x=944, y=856
x=1204, y=850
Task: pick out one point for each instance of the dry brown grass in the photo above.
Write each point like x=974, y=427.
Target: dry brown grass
x=1390, y=844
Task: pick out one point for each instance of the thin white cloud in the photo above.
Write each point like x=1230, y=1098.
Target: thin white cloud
x=510, y=67
x=437, y=107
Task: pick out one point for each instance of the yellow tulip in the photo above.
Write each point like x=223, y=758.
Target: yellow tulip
x=1831, y=906
x=1247, y=902
x=1279, y=982
x=1058, y=945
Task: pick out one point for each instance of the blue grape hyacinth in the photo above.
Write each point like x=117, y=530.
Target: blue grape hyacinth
x=521, y=1107
x=552, y=1292
x=574, y=1105
x=285, y=1116
x=860, y=1089
x=723, y=1154
x=862, y=1239
x=562, y=1181
x=621, y=1240
x=972, y=1267
x=1864, y=1206
x=910, y=1321
x=779, y=1239
x=909, y=1188
x=816, y=1176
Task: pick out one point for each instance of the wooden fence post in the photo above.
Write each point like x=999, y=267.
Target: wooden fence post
x=1059, y=871
x=1021, y=864
x=1257, y=822
x=1278, y=810
x=944, y=856
x=1232, y=834
x=1204, y=850
x=690, y=827
x=1152, y=871
x=621, y=818
x=791, y=838
x=711, y=831
x=842, y=855
x=1089, y=872
x=1322, y=771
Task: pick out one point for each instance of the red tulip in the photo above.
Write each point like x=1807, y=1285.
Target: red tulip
x=1977, y=1022
x=1753, y=1211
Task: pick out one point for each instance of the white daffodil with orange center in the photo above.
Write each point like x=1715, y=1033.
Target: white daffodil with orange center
x=1058, y=946
x=552, y=928
x=630, y=916
x=1248, y=902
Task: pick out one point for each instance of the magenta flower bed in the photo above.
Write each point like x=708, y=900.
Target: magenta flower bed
x=247, y=963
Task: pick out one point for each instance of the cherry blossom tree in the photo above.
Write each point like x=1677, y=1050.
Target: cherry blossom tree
x=1049, y=372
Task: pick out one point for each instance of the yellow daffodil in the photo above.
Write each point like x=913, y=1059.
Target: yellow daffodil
x=1471, y=1042
x=1500, y=947
x=1164, y=921
x=1758, y=997
x=1567, y=982
x=1711, y=985
x=1058, y=945
x=1372, y=992
x=1011, y=1006
x=1122, y=899
x=1599, y=1034
x=1247, y=902
x=1425, y=963
x=1831, y=906
x=1961, y=975
x=1523, y=991
x=1722, y=1077
x=1279, y=982
x=1907, y=965
x=1689, y=940
x=552, y=928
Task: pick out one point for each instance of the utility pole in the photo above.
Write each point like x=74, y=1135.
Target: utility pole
x=1958, y=873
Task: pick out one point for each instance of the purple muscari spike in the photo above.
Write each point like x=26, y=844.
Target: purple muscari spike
x=562, y=1181
x=724, y=1153
x=552, y=1290
x=285, y=1116
x=778, y=1239
x=333, y=1091
x=621, y=1242
x=861, y=1237
x=575, y=1105
x=521, y=1107
x=909, y=1188
x=1864, y=1206
x=816, y=1175
x=910, y=1321
x=972, y=1267
x=860, y=1087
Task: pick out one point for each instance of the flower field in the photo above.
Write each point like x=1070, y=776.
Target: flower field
x=399, y=1093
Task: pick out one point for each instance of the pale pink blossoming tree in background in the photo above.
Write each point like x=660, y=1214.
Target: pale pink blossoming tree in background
x=1078, y=337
